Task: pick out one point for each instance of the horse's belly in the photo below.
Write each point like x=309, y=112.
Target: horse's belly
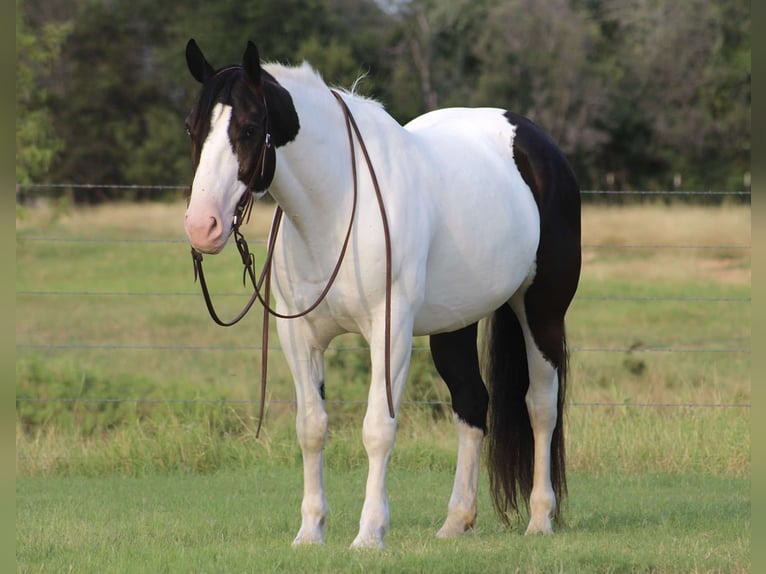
x=466, y=281
x=467, y=299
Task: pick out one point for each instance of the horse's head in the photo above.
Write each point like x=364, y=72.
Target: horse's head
x=241, y=115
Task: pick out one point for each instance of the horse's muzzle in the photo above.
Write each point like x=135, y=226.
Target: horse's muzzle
x=206, y=233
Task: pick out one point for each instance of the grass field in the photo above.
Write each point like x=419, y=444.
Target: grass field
x=143, y=456
x=242, y=522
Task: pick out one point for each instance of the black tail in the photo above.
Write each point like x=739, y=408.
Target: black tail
x=510, y=457
x=511, y=444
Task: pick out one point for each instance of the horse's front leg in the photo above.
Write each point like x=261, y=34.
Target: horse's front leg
x=307, y=367
x=380, y=429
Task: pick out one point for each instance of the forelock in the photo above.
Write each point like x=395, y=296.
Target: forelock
x=217, y=90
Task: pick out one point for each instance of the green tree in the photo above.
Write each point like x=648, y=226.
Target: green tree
x=342, y=39
x=678, y=93
x=435, y=61
x=122, y=105
x=637, y=90
x=634, y=91
x=114, y=108
x=539, y=59
x=37, y=50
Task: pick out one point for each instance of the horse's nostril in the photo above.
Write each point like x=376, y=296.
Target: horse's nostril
x=204, y=230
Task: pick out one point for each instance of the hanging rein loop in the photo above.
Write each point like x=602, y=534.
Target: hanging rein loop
x=262, y=286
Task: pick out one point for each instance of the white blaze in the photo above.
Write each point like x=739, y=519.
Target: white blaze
x=216, y=189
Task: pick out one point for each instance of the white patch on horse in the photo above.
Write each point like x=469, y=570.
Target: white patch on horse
x=461, y=514
x=216, y=189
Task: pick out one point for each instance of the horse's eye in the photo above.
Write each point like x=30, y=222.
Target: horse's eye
x=249, y=132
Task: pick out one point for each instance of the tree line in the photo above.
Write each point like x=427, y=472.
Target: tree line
x=640, y=94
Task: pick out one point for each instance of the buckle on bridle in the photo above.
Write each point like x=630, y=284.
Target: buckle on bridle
x=266, y=147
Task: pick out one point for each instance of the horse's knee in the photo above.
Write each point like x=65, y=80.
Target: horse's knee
x=378, y=434
x=312, y=429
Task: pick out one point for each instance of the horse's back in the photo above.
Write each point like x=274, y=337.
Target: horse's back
x=484, y=215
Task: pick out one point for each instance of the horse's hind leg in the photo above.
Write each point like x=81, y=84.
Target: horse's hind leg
x=546, y=359
x=456, y=359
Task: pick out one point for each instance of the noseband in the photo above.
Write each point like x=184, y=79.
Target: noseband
x=262, y=286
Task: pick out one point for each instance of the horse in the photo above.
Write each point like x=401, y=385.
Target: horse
x=460, y=216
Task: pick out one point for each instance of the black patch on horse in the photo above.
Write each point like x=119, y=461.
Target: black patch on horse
x=553, y=183
x=260, y=106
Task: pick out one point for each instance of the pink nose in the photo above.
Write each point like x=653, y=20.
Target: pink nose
x=204, y=232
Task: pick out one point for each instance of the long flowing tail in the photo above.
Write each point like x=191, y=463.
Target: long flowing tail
x=510, y=441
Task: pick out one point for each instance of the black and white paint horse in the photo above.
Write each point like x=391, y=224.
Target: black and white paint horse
x=484, y=218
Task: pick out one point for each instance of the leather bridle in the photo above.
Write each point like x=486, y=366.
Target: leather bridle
x=262, y=286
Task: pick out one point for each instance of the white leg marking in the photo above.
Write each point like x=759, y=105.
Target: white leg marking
x=541, y=400
x=311, y=425
x=379, y=432
x=378, y=436
x=461, y=514
x=306, y=365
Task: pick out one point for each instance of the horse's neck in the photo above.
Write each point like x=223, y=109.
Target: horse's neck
x=313, y=171
x=314, y=179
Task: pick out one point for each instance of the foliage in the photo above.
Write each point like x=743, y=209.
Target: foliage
x=36, y=141
x=65, y=392
x=598, y=76
x=645, y=94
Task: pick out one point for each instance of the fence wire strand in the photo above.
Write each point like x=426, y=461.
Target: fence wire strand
x=171, y=241
x=256, y=241
x=123, y=400
x=156, y=347
x=673, y=298
x=185, y=187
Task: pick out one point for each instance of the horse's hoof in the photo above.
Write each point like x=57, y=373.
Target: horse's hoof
x=367, y=542
x=304, y=539
x=539, y=526
x=453, y=529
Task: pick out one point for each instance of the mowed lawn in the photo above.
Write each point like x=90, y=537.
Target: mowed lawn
x=244, y=522
x=136, y=416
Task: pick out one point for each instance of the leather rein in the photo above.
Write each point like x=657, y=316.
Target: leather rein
x=262, y=285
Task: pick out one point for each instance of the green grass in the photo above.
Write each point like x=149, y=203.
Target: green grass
x=244, y=522
x=173, y=479
x=207, y=438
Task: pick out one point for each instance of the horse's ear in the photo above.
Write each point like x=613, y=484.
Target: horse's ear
x=198, y=65
x=251, y=63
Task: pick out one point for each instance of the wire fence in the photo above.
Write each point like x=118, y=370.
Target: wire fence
x=145, y=401
x=116, y=347
x=185, y=187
